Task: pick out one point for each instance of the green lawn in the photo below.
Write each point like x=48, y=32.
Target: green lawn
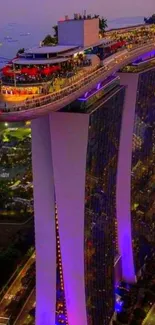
x=18, y=133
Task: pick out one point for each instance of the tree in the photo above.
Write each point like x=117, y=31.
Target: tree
x=150, y=20
x=102, y=24
x=52, y=40
x=20, y=51
x=55, y=28
x=49, y=40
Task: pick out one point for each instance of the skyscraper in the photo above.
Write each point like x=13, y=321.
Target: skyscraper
x=82, y=146
x=135, y=198
x=99, y=218
x=100, y=211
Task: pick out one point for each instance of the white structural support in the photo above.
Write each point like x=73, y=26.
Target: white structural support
x=45, y=236
x=59, y=149
x=69, y=137
x=123, y=193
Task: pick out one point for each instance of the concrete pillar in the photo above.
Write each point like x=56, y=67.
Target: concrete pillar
x=69, y=135
x=44, y=209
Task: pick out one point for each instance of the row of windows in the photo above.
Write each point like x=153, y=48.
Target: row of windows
x=100, y=213
x=143, y=160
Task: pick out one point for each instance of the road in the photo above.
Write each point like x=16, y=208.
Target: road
x=23, y=317
x=150, y=318
x=15, y=287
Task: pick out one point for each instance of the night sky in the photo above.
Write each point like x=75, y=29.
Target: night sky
x=46, y=11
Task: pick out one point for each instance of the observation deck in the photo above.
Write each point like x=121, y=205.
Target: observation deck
x=55, y=101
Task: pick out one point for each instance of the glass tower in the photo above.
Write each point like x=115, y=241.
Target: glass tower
x=143, y=160
x=79, y=148
x=100, y=206
x=135, y=189
x=105, y=107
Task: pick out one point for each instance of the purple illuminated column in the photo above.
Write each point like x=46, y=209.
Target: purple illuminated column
x=69, y=134
x=44, y=208
x=123, y=195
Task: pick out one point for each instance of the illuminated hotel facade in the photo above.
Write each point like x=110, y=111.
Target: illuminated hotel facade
x=83, y=193
x=74, y=155
x=94, y=159
x=135, y=191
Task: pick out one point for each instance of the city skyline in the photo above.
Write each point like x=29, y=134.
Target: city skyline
x=18, y=11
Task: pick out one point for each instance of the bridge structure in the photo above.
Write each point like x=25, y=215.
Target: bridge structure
x=59, y=147
x=55, y=101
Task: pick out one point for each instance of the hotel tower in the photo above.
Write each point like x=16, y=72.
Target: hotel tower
x=135, y=176
x=75, y=168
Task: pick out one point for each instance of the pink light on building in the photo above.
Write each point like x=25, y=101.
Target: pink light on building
x=123, y=196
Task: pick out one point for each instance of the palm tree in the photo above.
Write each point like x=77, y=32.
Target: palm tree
x=145, y=20
x=52, y=40
x=102, y=25
x=49, y=40
x=150, y=20
x=55, y=28
x=20, y=51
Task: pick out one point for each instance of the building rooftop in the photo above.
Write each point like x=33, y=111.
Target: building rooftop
x=64, y=50
x=49, y=49
x=24, y=61
x=78, y=17
x=101, y=42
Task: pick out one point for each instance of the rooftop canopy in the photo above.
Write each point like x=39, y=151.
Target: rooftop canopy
x=25, y=61
x=50, y=49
